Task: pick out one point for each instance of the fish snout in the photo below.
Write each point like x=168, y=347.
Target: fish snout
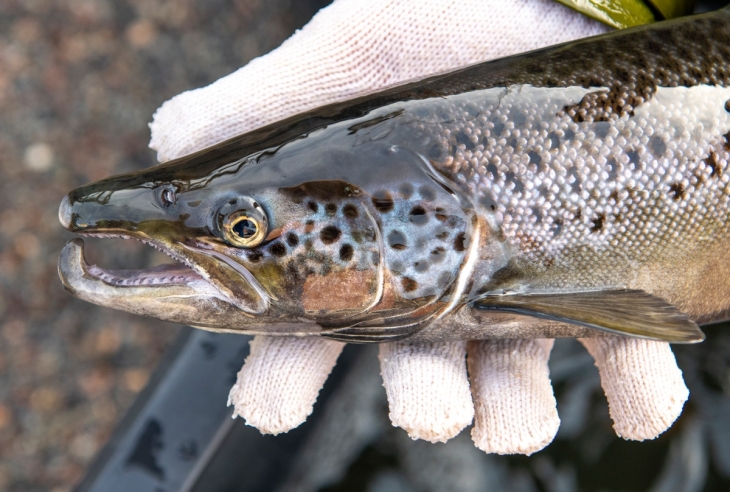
x=64, y=212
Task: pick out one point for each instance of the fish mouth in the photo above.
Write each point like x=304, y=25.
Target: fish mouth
x=179, y=273
x=174, y=293
x=198, y=280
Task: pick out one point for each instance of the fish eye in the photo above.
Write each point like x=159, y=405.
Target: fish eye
x=243, y=230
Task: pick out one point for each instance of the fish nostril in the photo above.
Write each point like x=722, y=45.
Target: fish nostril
x=64, y=212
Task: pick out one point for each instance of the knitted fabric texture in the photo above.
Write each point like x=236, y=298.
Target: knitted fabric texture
x=515, y=409
x=427, y=388
x=357, y=46
x=280, y=380
x=643, y=385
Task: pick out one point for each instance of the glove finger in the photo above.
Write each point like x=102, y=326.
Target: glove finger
x=515, y=409
x=353, y=47
x=427, y=388
x=278, y=384
x=642, y=382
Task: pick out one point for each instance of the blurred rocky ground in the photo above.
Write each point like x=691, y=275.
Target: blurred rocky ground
x=79, y=81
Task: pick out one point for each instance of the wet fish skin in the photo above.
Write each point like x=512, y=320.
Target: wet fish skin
x=594, y=166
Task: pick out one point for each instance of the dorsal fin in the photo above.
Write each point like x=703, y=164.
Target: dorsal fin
x=622, y=311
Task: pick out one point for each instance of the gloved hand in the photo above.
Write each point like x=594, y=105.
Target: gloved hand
x=357, y=46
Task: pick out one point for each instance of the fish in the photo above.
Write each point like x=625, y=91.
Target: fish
x=575, y=191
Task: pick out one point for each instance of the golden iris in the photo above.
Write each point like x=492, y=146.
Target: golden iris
x=243, y=230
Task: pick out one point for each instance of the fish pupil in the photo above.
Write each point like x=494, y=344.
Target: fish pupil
x=245, y=228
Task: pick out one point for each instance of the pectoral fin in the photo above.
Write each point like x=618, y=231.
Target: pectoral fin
x=625, y=312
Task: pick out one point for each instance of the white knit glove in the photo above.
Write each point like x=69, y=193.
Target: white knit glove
x=357, y=46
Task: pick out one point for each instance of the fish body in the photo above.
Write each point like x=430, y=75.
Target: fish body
x=579, y=187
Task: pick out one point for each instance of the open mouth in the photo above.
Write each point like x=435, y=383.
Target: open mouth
x=177, y=273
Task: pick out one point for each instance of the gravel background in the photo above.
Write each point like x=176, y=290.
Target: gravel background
x=79, y=81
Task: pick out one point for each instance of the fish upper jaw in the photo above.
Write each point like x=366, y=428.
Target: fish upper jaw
x=64, y=213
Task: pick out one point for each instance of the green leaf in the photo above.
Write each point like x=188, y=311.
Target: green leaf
x=615, y=13
x=669, y=9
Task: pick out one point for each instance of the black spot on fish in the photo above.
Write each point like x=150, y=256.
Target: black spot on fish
x=409, y=285
x=598, y=223
x=519, y=186
x=443, y=236
x=383, y=201
x=569, y=134
x=350, y=211
x=460, y=242
x=677, y=191
x=554, y=140
x=513, y=142
x=712, y=162
x=438, y=254
x=309, y=226
x=463, y=138
x=658, y=146
x=330, y=209
x=488, y=202
x=613, y=196
x=601, y=128
x=194, y=203
x=491, y=168
x=421, y=266
x=313, y=207
x=418, y=215
x=406, y=190
x=435, y=153
x=329, y=234
x=454, y=221
x=254, y=256
x=534, y=158
x=346, y=252
x=397, y=240
x=727, y=105
x=519, y=118
x=375, y=257
x=441, y=217
x=557, y=227
x=427, y=193
x=498, y=129
x=292, y=240
x=277, y=249
x=538, y=214
x=232, y=201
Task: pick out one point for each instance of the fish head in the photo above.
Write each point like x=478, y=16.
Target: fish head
x=313, y=236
